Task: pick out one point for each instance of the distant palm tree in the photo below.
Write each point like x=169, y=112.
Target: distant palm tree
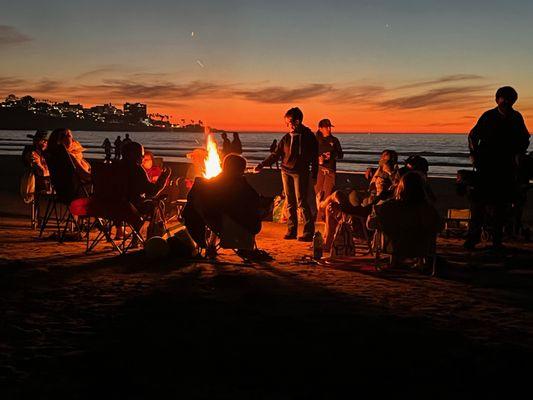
x=192, y=121
x=200, y=122
x=183, y=121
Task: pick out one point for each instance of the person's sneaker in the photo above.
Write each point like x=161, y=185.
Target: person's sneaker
x=305, y=238
x=289, y=236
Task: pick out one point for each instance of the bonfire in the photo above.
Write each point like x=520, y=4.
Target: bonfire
x=212, y=159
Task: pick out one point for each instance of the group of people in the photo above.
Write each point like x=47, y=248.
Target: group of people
x=231, y=146
x=119, y=144
x=497, y=144
x=59, y=160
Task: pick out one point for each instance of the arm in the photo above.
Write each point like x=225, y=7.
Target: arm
x=339, y=155
x=314, y=157
x=524, y=137
x=474, y=138
x=274, y=156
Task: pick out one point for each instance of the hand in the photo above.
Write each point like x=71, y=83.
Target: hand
x=258, y=168
x=327, y=155
x=321, y=159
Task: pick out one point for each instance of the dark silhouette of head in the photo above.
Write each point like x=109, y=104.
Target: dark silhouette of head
x=233, y=165
x=224, y=136
x=236, y=136
x=417, y=163
x=133, y=153
x=411, y=188
x=506, y=96
x=60, y=137
x=127, y=135
x=293, y=118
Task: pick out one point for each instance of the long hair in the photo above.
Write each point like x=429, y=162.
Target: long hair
x=411, y=188
x=56, y=138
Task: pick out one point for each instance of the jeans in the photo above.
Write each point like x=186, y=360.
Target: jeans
x=296, y=188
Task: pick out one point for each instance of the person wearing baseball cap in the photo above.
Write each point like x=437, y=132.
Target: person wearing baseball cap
x=329, y=151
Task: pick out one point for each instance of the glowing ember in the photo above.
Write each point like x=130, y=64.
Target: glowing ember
x=212, y=160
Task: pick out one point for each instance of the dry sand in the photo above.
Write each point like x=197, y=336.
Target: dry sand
x=123, y=326
x=103, y=325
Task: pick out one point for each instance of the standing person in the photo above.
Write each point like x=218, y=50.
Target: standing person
x=496, y=142
x=329, y=151
x=118, y=147
x=236, y=145
x=226, y=145
x=298, y=151
x=126, y=140
x=107, y=150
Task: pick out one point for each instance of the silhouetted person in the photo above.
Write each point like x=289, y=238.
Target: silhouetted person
x=127, y=140
x=272, y=149
x=298, y=151
x=107, y=150
x=499, y=138
x=226, y=144
x=118, y=147
x=236, y=145
x=329, y=151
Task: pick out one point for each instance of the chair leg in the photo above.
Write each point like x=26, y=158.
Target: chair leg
x=46, y=218
x=434, y=265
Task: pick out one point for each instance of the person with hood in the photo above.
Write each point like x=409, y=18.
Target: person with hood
x=226, y=145
x=298, y=151
x=236, y=144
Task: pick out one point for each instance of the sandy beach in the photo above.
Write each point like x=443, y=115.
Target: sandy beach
x=101, y=325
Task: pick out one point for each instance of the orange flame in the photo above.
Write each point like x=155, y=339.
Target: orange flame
x=212, y=160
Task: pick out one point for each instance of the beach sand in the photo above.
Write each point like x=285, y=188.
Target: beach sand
x=101, y=325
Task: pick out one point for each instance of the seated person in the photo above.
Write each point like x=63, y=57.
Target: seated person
x=153, y=171
x=63, y=137
x=385, y=178
x=336, y=207
x=227, y=195
x=420, y=165
x=408, y=220
x=33, y=158
x=136, y=187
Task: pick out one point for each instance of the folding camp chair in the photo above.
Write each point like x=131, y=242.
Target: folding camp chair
x=105, y=208
x=66, y=185
x=457, y=221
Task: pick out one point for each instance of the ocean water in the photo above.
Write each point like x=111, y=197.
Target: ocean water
x=445, y=152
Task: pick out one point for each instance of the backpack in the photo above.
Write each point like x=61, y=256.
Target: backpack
x=343, y=244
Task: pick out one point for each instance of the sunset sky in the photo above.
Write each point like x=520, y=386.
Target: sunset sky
x=374, y=65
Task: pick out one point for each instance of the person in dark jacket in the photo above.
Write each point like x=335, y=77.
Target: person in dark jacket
x=298, y=151
x=226, y=144
x=136, y=186
x=496, y=142
x=236, y=144
x=229, y=195
x=329, y=151
x=272, y=149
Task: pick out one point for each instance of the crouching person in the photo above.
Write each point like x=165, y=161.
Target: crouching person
x=226, y=205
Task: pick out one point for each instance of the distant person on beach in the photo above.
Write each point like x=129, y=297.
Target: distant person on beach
x=226, y=195
x=107, y=150
x=298, y=151
x=226, y=145
x=63, y=137
x=496, y=143
x=127, y=140
x=118, y=147
x=236, y=145
x=153, y=171
x=329, y=151
x=272, y=149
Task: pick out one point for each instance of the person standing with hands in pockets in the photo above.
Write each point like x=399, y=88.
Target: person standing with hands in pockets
x=298, y=151
x=329, y=151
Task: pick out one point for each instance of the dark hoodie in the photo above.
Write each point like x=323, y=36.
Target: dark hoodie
x=298, y=157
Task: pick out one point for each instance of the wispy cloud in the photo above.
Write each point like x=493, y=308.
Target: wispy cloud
x=278, y=94
x=441, y=80
x=9, y=35
x=449, y=96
